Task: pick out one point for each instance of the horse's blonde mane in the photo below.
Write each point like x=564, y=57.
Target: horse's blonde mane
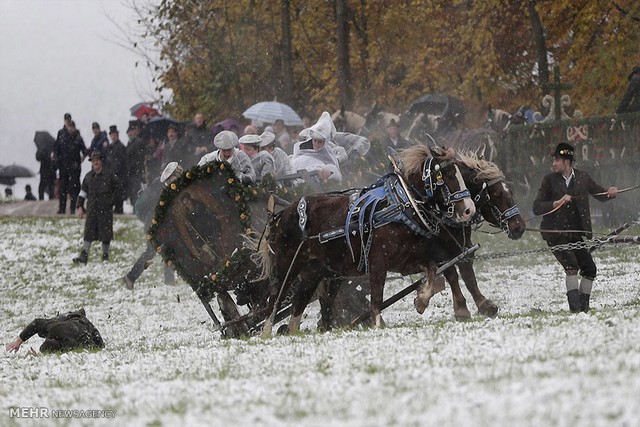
x=413, y=158
x=486, y=169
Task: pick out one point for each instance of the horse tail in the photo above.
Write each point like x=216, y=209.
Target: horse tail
x=261, y=252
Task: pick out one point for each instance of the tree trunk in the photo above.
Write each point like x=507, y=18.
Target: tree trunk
x=286, y=54
x=342, y=48
x=541, y=43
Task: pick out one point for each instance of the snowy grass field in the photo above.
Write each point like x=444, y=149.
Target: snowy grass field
x=533, y=365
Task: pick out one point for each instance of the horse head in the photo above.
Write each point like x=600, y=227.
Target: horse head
x=498, y=120
x=491, y=194
x=435, y=171
x=347, y=121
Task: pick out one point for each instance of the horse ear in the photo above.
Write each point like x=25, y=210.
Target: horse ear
x=342, y=111
x=489, y=109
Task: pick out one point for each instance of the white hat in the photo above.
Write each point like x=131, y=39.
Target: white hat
x=225, y=140
x=324, y=129
x=267, y=138
x=250, y=139
x=168, y=171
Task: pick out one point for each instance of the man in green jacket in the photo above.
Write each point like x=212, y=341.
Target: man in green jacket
x=66, y=332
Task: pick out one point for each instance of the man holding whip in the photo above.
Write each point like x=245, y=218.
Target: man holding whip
x=563, y=201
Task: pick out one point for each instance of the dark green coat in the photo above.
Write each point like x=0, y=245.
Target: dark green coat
x=66, y=332
x=100, y=191
x=572, y=216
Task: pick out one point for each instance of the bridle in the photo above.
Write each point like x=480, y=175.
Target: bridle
x=503, y=217
x=432, y=180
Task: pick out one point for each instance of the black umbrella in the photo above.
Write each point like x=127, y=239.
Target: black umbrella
x=44, y=141
x=8, y=174
x=15, y=171
x=157, y=127
x=436, y=104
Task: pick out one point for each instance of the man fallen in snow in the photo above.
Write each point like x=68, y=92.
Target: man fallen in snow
x=65, y=332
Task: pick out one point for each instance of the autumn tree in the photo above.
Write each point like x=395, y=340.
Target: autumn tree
x=220, y=56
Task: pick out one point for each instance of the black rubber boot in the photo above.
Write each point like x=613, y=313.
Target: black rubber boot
x=105, y=257
x=82, y=258
x=584, y=302
x=573, y=296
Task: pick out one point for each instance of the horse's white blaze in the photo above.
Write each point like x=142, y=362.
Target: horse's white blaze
x=469, y=207
x=505, y=188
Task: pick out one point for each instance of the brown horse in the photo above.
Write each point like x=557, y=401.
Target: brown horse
x=302, y=237
x=494, y=200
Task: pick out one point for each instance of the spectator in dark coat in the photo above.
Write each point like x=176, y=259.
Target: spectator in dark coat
x=152, y=159
x=100, y=141
x=116, y=162
x=393, y=138
x=69, y=151
x=136, y=150
x=198, y=139
x=66, y=332
x=99, y=188
x=563, y=200
x=630, y=102
x=174, y=149
x=47, y=174
x=28, y=193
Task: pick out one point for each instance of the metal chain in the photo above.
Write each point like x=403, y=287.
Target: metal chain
x=597, y=243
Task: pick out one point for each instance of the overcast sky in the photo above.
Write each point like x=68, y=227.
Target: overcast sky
x=60, y=56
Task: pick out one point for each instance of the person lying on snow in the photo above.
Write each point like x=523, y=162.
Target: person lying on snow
x=69, y=331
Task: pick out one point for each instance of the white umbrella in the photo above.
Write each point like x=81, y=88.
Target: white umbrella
x=270, y=111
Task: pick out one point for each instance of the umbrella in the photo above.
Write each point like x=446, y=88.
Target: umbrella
x=270, y=111
x=142, y=108
x=436, y=104
x=15, y=171
x=44, y=141
x=8, y=174
x=157, y=127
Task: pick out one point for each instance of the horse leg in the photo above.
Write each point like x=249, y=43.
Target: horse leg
x=309, y=281
x=428, y=288
x=485, y=306
x=460, y=310
x=376, y=281
x=327, y=296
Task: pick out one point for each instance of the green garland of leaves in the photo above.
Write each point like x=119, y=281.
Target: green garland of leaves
x=236, y=266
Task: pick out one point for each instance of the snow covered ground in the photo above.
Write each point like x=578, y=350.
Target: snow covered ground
x=533, y=365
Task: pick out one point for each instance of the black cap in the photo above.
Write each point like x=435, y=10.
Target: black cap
x=392, y=123
x=113, y=128
x=96, y=155
x=95, y=125
x=564, y=151
x=174, y=127
x=67, y=116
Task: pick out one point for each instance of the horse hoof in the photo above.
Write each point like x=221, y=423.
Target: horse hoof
x=488, y=308
x=462, y=317
x=419, y=304
x=283, y=330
